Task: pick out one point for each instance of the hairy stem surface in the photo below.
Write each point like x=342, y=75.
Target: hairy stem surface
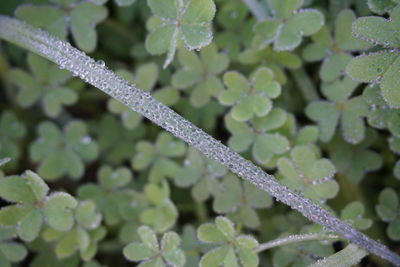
x=295, y=239
x=96, y=74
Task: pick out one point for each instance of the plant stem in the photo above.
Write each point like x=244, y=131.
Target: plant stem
x=348, y=256
x=256, y=9
x=304, y=83
x=96, y=74
x=295, y=239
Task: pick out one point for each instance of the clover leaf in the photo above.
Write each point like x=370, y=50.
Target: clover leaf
x=232, y=250
x=264, y=144
x=201, y=173
x=288, y=25
x=11, y=131
x=249, y=98
x=388, y=211
x=335, y=51
x=116, y=143
x=201, y=72
x=339, y=107
x=186, y=20
x=108, y=193
x=84, y=235
x=232, y=17
x=10, y=251
x=44, y=86
x=33, y=206
x=382, y=6
x=241, y=202
x=62, y=153
x=305, y=171
x=380, y=115
x=354, y=161
x=353, y=214
x=80, y=18
x=152, y=253
x=275, y=60
x=130, y=210
x=145, y=78
x=159, y=157
x=162, y=214
x=191, y=246
x=379, y=67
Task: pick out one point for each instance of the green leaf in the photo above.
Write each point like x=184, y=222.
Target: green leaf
x=388, y=205
x=225, y=226
x=327, y=117
x=159, y=40
x=378, y=30
x=58, y=211
x=224, y=201
x=215, y=257
x=168, y=9
x=393, y=230
x=369, y=67
x=148, y=237
x=11, y=215
x=13, y=251
x=210, y=233
x=84, y=17
x=37, y=185
x=29, y=227
x=353, y=213
x=138, y=252
x=111, y=179
x=48, y=17
x=86, y=215
x=170, y=244
x=16, y=189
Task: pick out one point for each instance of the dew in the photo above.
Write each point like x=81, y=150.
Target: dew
x=86, y=140
x=68, y=57
x=101, y=63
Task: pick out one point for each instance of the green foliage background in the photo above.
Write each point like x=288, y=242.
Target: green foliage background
x=308, y=90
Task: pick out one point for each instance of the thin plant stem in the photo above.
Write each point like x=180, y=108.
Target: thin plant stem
x=349, y=256
x=256, y=9
x=295, y=239
x=98, y=75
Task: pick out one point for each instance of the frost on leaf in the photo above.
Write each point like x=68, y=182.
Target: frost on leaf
x=63, y=16
x=150, y=252
x=289, y=24
x=339, y=107
x=334, y=50
x=189, y=21
x=381, y=67
x=231, y=248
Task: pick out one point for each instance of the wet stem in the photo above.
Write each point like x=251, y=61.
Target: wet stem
x=296, y=239
x=67, y=57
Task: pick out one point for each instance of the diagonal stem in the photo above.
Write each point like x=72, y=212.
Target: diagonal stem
x=295, y=239
x=96, y=74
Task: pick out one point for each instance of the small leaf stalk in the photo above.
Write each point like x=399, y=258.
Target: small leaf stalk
x=96, y=74
x=287, y=240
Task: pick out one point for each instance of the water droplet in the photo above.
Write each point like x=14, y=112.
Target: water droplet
x=101, y=63
x=86, y=140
